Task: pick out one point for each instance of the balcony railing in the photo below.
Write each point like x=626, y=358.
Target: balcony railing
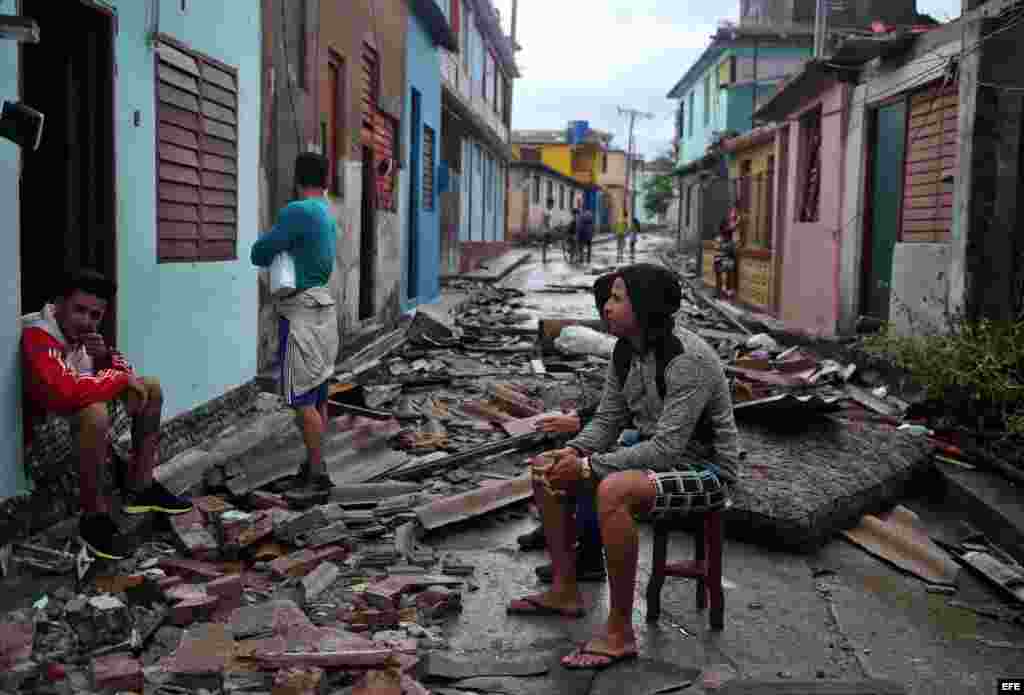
x=456, y=78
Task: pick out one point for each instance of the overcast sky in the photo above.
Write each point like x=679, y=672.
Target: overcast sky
x=581, y=59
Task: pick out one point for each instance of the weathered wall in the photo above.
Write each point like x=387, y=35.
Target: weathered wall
x=12, y=479
x=881, y=80
x=920, y=283
x=810, y=250
x=194, y=325
x=423, y=70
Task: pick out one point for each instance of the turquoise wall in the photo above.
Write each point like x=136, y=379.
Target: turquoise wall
x=423, y=73
x=192, y=325
x=736, y=104
x=12, y=479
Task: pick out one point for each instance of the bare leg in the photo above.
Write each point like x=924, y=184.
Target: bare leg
x=560, y=532
x=619, y=497
x=145, y=436
x=311, y=424
x=93, y=424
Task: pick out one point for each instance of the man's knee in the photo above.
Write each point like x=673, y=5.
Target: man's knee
x=94, y=419
x=629, y=488
x=154, y=390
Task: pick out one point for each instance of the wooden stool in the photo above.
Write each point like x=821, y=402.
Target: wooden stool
x=706, y=567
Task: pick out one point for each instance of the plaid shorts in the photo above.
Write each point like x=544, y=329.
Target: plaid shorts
x=684, y=492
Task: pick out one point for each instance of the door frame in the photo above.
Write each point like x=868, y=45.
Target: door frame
x=415, y=203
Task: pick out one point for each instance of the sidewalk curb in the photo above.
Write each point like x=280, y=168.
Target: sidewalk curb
x=490, y=279
x=969, y=493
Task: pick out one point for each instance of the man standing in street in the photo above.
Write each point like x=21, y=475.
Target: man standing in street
x=308, y=320
x=585, y=235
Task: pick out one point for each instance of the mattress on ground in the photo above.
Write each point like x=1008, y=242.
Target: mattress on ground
x=801, y=486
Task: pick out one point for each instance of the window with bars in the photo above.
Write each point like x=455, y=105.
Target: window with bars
x=379, y=130
x=689, y=109
x=536, y=189
x=428, y=167
x=197, y=156
x=707, y=99
x=561, y=196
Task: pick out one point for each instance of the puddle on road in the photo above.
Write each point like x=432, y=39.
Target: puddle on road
x=955, y=623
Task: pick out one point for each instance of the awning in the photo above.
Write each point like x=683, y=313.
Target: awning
x=476, y=125
x=436, y=23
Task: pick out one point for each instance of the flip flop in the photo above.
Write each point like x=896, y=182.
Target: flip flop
x=612, y=659
x=531, y=606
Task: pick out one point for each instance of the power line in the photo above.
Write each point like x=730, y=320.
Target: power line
x=633, y=115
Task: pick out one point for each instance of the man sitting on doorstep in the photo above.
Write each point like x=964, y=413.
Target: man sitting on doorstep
x=71, y=372
x=669, y=382
x=307, y=318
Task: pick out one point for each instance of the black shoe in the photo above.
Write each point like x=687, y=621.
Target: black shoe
x=534, y=540
x=100, y=535
x=321, y=483
x=156, y=498
x=588, y=569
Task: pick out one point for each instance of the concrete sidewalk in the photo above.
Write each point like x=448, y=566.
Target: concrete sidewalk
x=494, y=269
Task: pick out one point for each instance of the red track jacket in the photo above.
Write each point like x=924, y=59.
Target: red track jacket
x=52, y=380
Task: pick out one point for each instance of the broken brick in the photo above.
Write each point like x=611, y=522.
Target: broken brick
x=288, y=529
x=256, y=528
x=117, y=672
x=371, y=618
x=266, y=618
x=229, y=587
x=204, y=649
x=385, y=594
x=16, y=642
x=194, y=535
x=298, y=681
x=119, y=583
x=203, y=570
x=268, y=552
x=382, y=682
x=267, y=500
x=211, y=505
x=332, y=533
x=99, y=622
x=192, y=610
x=300, y=563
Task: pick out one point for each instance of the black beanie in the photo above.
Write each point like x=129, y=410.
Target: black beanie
x=602, y=291
x=655, y=295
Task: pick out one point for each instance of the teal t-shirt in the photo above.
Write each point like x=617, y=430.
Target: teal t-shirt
x=305, y=229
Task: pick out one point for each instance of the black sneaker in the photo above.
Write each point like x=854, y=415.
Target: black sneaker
x=156, y=498
x=534, y=540
x=100, y=535
x=588, y=569
x=321, y=483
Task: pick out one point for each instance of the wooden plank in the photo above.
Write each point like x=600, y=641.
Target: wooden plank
x=219, y=231
x=935, y=213
x=177, y=78
x=221, y=148
x=932, y=131
x=223, y=97
x=177, y=250
x=934, y=164
x=933, y=118
x=920, y=154
x=921, y=179
x=178, y=155
x=926, y=101
x=221, y=164
x=178, y=59
x=918, y=237
x=219, y=130
x=947, y=140
x=177, y=193
x=178, y=136
x=220, y=182
x=222, y=198
x=220, y=250
x=933, y=188
x=926, y=225
x=179, y=117
x=212, y=110
x=177, y=213
x=218, y=214
x=177, y=230
x=222, y=79
x=178, y=174
x=176, y=97
x=929, y=201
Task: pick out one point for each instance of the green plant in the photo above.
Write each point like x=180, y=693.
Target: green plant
x=974, y=369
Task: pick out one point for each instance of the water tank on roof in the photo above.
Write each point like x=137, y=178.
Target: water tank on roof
x=578, y=131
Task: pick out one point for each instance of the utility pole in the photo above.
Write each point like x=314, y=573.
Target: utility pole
x=633, y=115
x=820, y=27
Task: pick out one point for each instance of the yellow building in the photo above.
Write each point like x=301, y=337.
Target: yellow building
x=583, y=161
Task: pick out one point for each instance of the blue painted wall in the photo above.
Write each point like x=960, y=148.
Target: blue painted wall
x=193, y=325
x=423, y=73
x=12, y=479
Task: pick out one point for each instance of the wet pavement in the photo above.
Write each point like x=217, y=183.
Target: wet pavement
x=839, y=613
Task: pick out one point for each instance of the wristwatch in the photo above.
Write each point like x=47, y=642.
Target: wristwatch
x=585, y=470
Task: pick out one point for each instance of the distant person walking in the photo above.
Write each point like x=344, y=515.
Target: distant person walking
x=620, y=238
x=585, y=235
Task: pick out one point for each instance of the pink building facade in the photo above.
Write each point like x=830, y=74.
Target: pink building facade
x=812, y=111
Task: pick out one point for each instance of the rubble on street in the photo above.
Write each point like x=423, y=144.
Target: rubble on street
x=261, y=589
